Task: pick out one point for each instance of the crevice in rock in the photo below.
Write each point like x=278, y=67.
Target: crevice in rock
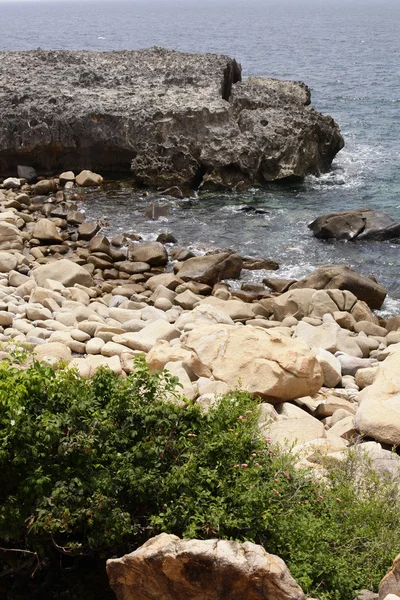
x=232, y=75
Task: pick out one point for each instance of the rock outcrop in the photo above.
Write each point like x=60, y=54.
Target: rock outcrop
x=262, y=362
x=174, y=119
x=358, y=224
x=341, y=277
x=168, y=568
x=378, y=415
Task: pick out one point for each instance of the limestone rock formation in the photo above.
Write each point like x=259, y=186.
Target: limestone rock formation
x=358, y=224
x=174, y=119
x=167, y=568
x=266, y=363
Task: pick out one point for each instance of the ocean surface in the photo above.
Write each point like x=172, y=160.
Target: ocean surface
x=347, y=51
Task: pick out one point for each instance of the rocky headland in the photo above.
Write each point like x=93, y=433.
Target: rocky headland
x=171, y=118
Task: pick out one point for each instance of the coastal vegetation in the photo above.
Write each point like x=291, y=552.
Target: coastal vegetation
x=92, y=468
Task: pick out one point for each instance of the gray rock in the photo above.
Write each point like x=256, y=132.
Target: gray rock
x=211, y=268
x=174, y=119
x=359, y=224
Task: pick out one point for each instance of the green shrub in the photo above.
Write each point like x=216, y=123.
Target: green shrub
x=93, y=468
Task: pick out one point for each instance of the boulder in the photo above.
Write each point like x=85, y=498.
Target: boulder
x=173, y=569
x=8, y=262
x=378, y=415
x=151, y=253
x=195, y=123
x=10, y=237
x=358, y=224
x=290, y=425
x=46, y=231
x=390, y=584
x=341, y=277
x=55, y=351
x=28, y=173
x=64, y=271
x=87, y=179
x=45, y=186
x=331, y=368
x=211, y=268
x=235, y=309
x=260, y=361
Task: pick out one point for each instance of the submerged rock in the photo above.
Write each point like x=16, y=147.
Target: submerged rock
x=174, y=119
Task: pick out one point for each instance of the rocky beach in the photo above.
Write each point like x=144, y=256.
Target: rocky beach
x=313, y=352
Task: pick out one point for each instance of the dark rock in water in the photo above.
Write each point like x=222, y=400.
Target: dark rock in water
x=167, y=238
x=358, y=224
x=174, y=119
x=27, y=173
x=253, y=210
x=341, y=277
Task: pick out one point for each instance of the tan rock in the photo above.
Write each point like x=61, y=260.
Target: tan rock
x=163, y=353
x=145, y=339
x=55, y=350
x=331, y=368
x=262, y=362
x=235, y=309
x=46, y=231
x=291, y=425
x=365, y=377
x=87, y=179
x=211, y=268
x=64, y=271
x=203, y=315
x=390, y=584
x=378, y=415
x=164, y=567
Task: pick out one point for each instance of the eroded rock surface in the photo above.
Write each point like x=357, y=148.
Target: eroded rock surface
x=358, y=224
x=175, y=119
x=167, y=568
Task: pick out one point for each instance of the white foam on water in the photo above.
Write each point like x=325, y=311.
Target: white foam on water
x=390, y=307
x=352, y=167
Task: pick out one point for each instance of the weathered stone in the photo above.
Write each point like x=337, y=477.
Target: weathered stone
x=66, y=176
x=152, y=253
x=290, y=425
x=378, y=415
x=145, y=339
x=220, y=132
x=173, y=569
x=341, y=277
x=53, y=350
x=263, y=362
x=8, y=262
x=331, y=368
x=64, y=271
x=235, y=309
x=88, y=230
x=211, y=268
x=87, y=179
x=46, y=186
x=46, y=231
x=358, y=224
x=390, y=584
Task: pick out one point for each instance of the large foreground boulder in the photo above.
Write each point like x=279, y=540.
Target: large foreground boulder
x=378, y=415
x=262, y=362
x=172, y=118
x=358, y=224
x=341, y=277
x=167, y=568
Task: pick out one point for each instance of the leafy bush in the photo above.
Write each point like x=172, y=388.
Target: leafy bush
x=93, y=468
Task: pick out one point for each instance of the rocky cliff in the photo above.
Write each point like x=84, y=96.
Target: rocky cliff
x=172, y=118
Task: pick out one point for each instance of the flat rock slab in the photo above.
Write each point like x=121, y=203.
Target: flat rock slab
x=359, y=224
x=174, y=119
x=168, y=568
